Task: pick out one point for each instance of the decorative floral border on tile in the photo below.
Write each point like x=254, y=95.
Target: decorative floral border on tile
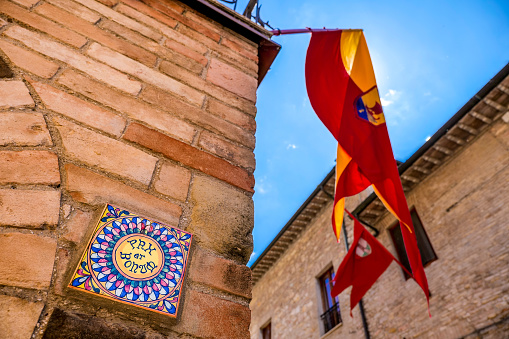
x=134, y=260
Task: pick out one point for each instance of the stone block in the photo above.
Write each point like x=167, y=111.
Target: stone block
x=29, y=167
x=77, y=225
x=225, y=275
x=19, y=317
x=97, y=34
x=29, y=208
x=105, y=153
x=222, y=219
x=29, y=61
x=208, y=316
x=132, y=107
x=23, y=129
x=189, y=156
x=43, y=24
x=30, y=260
x=94, y=189
x=237, y=155
x=147, y=74
x=14, y=94
x=75, y=59
x=173, y=181
x=78, y=109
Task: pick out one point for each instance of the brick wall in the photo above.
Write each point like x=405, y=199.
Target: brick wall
x=463, y=207
x=144, y=104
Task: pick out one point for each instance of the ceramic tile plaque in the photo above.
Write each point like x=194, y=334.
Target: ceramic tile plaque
x=134, y=260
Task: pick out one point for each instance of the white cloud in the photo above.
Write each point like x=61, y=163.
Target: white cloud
x=390, y=97
x=386, y=102
x=428, y=137
x=291, y=146
x=262, y=186
x=252, y=255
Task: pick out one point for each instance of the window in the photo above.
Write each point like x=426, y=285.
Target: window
x=331, y=315
x=427, y=253
x=266, y=331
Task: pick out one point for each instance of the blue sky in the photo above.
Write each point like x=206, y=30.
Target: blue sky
x=429, y=57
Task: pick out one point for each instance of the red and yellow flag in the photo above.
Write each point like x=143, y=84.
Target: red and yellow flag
x=364, y=263
x=342, y=90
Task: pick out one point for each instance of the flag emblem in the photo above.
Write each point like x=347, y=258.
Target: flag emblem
x=369, y=108
x=363, y=249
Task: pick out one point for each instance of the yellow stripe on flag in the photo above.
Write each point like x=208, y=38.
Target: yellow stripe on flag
x=389, y=207
x=339, y=210
x=342, y=161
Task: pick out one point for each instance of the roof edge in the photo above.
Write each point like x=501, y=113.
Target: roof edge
x=267, y=49
x=490, y=85
x=295, y=215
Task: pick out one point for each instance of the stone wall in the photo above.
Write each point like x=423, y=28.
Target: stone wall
x=147, y=105
x=463, y=207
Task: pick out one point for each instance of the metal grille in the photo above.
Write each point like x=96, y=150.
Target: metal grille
x=331, y=317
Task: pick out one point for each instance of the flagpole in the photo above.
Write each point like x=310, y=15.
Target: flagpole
x=361, y=303
x=278, y=31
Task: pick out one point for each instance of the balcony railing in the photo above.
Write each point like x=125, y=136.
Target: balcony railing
x=331, y=318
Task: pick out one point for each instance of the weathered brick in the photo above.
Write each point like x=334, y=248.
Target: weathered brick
x=94, y=189
x=208, y=316
x=202, y=25
x=222, y=219
x=62, y=268
x=172, y=6
x=30, y=208
x=3, y=23
x=105, y=153
x=14, y=94
x=77, y=9
x=239, y=156
x=141, y=71
x=209, y=88
x=121, y=19
x=30, y=260
x=79, y=109
x=23, y=129
x=19, y=316
x=109, y=3
x=76, y=227
x=128, y=105
x=189, y=156
x=141, y=7
x=138, y=15
x=197, y=116
x=140, y=40
x=29, y=167
x=225, y=275
x=95, y=33
x=55, y=50
x=26, y=3
x=29, y=61
x=184, y=50
x=221, y=51
x=169, y=9
x=42, y=24
x=231, y=114
x=251, y=54
x=173, y=181
x=232, y=79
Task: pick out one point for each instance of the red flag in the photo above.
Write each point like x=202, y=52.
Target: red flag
x=366, y=260
x=342, y=90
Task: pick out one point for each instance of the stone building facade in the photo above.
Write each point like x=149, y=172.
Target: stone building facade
x=148, y=105
x=458, y=183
